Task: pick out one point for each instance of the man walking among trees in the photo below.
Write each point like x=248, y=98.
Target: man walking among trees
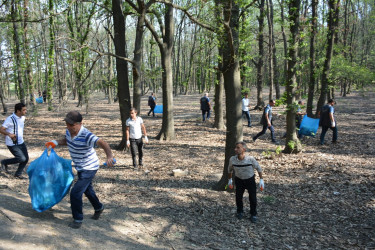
x=152, y=104
x=266, y=121
x=243, y=167
x=81, y=143
x=327, y=121
x=205, y=107
x=12, y=128
x=245, y=108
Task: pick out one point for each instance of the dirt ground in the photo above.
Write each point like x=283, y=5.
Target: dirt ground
x=322, y=198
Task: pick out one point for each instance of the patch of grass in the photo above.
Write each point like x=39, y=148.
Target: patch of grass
x=269, y=199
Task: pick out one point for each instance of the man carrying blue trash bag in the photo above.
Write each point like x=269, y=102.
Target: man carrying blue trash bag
x=81, y=143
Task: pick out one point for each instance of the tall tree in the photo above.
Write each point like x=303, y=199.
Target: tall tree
x=165, y=44
x=141, y=9
x=51, y=54
x=332, y=25
x=232, y=80
x=292, y=144
x=314, y=27
x=26, y=41
x=260, y=63
x=123, y=91
x=17, y=51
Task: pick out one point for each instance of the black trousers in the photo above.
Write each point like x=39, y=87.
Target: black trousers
x=136, y=144
x=151, y=111
x=250, y=185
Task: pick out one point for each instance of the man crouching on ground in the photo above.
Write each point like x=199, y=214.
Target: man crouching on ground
x=81, y=143
x=243, y=167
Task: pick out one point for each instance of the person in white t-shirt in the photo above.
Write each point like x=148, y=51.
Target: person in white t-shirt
x=245, y=109
x=134, y=129
x=12, y=128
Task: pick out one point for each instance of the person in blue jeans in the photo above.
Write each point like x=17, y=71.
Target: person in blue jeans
x=81, y=143
x=328, y=121
x=205, y=107
x=12, y=128
x=267, y=122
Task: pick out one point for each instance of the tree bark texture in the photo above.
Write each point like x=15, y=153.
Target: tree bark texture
x=123, y=91
x=292, y=144
x=314, y=27
x=333, y=8
x=167, y=130
x=260, y=64
x=232, y=83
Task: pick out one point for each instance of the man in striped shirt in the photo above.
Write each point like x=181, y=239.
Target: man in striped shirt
x=243, y=167
x=81, y=143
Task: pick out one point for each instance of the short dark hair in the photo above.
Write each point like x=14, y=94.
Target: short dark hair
x=271, y=101
x=331, y=101
x=242, y=143
x=19, y=107
x=300, y=102
x=73, y=117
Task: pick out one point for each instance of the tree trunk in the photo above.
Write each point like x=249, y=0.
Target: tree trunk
x=270, y=49
x=285, y=42
x=219, y=91
x=260, y=102
x=232, y=84
x=51, y=56
x=314, y=27
x=292, y=144
x=29, y=75
x=123, y=91
x=167, y=129
x=17, y=53
x=333, y=7
x=138, y=57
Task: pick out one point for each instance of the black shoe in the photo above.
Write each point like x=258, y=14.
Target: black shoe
x=239, y=215
x=249, y=126
x=97, y=214
x=75, y=224
x=4, y=167
x=253, y=219
x=20, y=177
x=276, y=142
x=254, y=139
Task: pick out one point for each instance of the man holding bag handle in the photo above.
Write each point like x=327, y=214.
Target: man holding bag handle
x=81, y=143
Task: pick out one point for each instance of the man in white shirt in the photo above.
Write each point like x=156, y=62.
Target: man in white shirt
x=12, y=128
x=245, y=108
x=134, y=129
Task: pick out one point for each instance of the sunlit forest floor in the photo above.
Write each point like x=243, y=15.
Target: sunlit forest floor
x=321, y=198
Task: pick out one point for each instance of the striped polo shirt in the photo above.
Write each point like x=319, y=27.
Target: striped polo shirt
x=81, y=149
x=243, y=169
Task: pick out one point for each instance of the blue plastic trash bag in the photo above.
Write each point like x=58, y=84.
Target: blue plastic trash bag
x=158, y=109
x=50, y=179
x=39, y=99
x=309, y=126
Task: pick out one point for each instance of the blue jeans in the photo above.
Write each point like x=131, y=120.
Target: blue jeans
x=264, y=131
x=247, y=114
x=21, y=157
x=204, y=114
x=324, y=131
x=83, y=186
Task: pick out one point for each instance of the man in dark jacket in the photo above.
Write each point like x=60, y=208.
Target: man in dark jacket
x=205, y=107
x=328, y=121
